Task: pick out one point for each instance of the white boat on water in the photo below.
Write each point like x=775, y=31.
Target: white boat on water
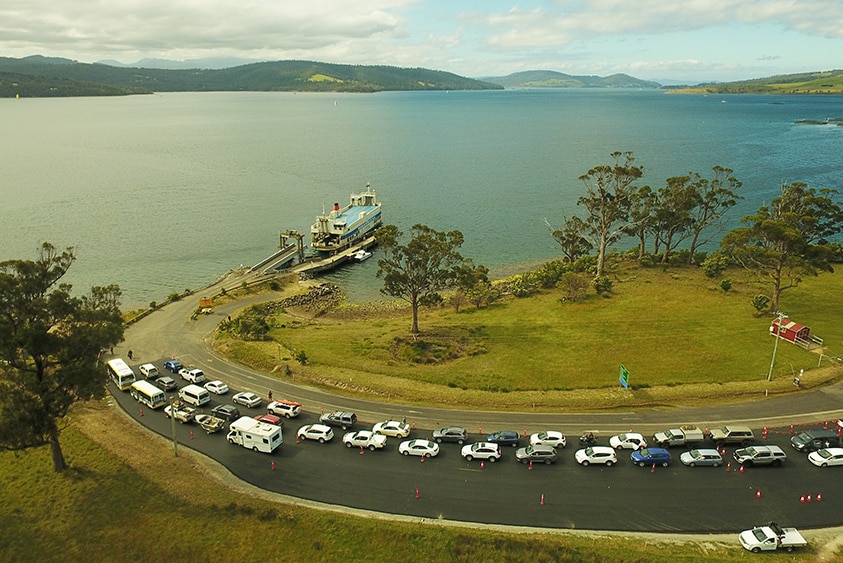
x=361, y=255
x=341, y=228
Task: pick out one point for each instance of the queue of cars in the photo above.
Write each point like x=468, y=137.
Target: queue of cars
x=822, y=446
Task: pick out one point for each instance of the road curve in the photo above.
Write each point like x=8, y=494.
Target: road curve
x=565, y=495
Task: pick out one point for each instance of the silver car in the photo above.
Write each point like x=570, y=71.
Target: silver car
x=701, y=457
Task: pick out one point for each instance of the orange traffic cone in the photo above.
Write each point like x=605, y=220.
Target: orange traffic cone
x=653, y=469
x=729, y=466
x=808, y=498
x=482, y=465
x=273, y=465
x=422, y=458
x=542, y=501
x=802, y=499
x=417, y=492
x=361, y=450
x=741, y=469
x=141, y=410
x=191, y=434
x=531, y=464
x=819, y=497
x=758, y=494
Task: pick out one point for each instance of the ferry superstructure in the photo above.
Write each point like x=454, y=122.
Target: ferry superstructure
x=341, y=228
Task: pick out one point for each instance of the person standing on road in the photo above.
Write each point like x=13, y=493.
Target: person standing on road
x=270, y=394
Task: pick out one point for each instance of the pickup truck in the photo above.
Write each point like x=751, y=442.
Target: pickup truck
x=210, y=424
x=686, y=435
x=761, y=455
x=771, y=537
x=732, y=435
x=181, y=412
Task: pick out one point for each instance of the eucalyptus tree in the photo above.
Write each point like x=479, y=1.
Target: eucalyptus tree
x=50, y=343
x=607, y=202
x=715, y=196
x=571, y=237
x=672, y=217
x=417, y=271
x=788, y=239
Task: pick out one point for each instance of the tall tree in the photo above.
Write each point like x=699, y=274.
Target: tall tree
x=50, y=344
x=607, y=201
x=715, y=196
x=672, y=217
x=642, y=204
x=418, y=271
x=571, y=238
x=787, y=239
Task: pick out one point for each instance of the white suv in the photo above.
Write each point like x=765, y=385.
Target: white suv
x=192, y=375
x=287, y=409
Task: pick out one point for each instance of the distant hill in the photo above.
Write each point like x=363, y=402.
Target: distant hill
x=824, y=82
x=280, y=76
x=552, y=79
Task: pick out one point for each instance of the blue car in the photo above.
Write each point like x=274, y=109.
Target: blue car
x=173, y=365
x=650, y=456
x=503, y=438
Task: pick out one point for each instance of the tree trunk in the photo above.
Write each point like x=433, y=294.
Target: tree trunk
x=693, y=249
x=415, y=327
x=601, y=257
x=59, y=464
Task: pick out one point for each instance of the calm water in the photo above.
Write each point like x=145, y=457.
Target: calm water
x=166, y=192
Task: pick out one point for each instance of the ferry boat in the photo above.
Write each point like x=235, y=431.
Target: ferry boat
x=341, y=228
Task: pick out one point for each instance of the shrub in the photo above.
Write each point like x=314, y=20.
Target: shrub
x=726, y=284
x=301, y=357
x=602, y=285
x=760, y=303
x=648, y=260
x=714, y=264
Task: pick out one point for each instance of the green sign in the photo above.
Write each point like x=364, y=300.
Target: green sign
x=624, y=378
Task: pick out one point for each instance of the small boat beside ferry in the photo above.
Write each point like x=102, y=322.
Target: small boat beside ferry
x=361, y=255
x=344, y=227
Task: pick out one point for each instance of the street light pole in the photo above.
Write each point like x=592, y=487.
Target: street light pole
x=780, y=315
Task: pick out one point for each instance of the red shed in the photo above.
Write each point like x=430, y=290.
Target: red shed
x=789, y=330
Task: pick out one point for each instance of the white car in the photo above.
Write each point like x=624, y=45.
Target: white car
x=318, y=432
x=287, y=409
x=192, y=375
x=217, y=387
x=628, y=441
x=423, y=448
x=596, y=454
x=394, y=428
x=826, y=457
x=482, y=450
x=247, y=399
x=549, y=438
x=364, y=439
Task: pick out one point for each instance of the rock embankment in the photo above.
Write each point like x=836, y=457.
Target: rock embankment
x=318, y=300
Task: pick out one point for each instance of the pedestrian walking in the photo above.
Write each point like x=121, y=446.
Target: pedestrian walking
x=270, y=394
x=130, y=354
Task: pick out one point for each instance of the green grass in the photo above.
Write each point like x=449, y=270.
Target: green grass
x=126, y=498
x=679, y=334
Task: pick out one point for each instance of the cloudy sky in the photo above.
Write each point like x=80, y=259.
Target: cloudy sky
x=683, y=40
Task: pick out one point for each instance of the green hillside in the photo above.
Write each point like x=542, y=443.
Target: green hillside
x=826, y=82
x=553, y=79
x=66, y=77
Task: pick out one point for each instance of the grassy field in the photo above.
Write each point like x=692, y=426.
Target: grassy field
x=126, y=498
x=681, y=336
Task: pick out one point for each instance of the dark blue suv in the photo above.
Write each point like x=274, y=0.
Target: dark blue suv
x=650, y=456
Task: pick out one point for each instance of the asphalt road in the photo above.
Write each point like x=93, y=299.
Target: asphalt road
x=563, y=495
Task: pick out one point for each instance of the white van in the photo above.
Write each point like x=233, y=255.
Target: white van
x=194, y=395
x=149, y=371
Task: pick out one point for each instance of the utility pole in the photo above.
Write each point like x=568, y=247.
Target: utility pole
x=173, y=424
x=781, y=316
